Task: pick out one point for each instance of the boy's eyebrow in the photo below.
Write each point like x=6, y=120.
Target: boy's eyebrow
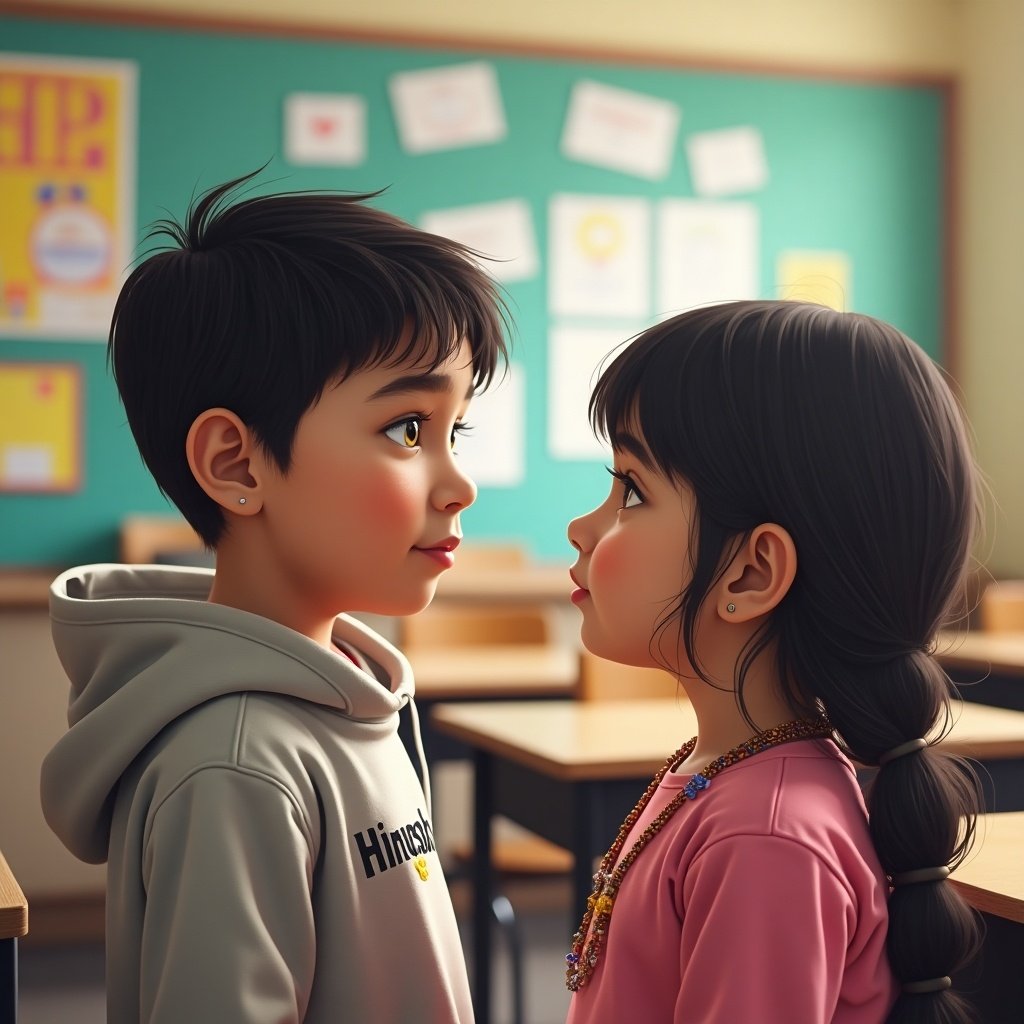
x=635, y=448
x=435, y=383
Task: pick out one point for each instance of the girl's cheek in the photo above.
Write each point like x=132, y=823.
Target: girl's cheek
x=608, y=566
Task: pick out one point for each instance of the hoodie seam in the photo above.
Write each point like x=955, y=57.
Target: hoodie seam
x=236, y=742
x=231, y=767
x=231, y=632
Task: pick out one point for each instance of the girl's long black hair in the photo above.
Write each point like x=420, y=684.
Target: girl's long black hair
x=840, y=429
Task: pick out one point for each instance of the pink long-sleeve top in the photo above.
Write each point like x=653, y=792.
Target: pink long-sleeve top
x=761, y=900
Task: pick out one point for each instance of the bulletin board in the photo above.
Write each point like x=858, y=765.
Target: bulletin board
x=41, y=427
x=853, y=188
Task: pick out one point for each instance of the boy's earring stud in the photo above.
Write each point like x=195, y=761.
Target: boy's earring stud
x=730, y=607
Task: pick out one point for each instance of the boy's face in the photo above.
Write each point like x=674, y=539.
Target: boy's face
x=367, y=515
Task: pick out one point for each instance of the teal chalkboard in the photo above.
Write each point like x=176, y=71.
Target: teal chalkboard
x=856, y=165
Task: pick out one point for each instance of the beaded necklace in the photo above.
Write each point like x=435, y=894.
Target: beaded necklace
x=583, y=957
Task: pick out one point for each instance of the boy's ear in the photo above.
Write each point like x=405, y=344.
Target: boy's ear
x=221, y=454
x=759, y=575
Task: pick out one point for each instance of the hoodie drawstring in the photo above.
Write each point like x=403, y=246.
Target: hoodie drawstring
x=417, y=741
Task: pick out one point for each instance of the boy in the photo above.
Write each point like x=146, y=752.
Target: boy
x=295, y=373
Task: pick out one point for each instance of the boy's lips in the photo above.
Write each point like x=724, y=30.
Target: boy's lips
x=442, y=551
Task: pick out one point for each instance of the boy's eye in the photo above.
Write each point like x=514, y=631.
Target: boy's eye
x=459, y=428
x=406, y=432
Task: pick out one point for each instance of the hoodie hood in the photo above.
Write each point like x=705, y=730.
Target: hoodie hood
x=142, y=646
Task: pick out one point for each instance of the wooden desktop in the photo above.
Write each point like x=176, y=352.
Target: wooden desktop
x=571, y=770
x=13, y=925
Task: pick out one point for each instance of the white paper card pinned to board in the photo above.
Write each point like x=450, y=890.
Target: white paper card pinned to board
x=620, y=129
x=600, y=258
x=575, y=357
x=502, y=230
x=727, y=161
x=448, y=108
x=325, y=129
x=493, y=453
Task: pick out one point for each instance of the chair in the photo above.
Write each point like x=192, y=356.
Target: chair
x=144, y=540
x=1002, y=607
x=459, y=626
x=608, y=680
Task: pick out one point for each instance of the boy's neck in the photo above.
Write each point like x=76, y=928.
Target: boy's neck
x=252, y=586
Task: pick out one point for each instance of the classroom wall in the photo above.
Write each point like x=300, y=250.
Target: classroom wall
x=981, y=40
x=849, y=160
x=992, y=265
x=893, y=34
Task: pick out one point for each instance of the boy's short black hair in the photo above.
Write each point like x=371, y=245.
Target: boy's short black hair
x=266, y=300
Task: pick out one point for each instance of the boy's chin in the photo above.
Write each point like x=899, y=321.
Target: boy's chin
x=403, y=605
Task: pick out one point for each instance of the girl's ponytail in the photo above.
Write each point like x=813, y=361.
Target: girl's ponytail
x=922, y=804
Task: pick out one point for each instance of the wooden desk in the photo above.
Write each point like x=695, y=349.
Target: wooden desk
x=992, y=878
x=571, y=771
x=987, y=667
x=13, y=925
x=26, y=588
x=495, y=671
x=992, y=881
x=534, y=583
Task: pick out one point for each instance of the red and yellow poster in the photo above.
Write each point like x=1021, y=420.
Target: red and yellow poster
x=67, y=193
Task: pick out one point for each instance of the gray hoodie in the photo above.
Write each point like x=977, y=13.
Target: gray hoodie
x=269, y=845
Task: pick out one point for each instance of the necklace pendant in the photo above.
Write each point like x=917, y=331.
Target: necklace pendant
x=696, y=785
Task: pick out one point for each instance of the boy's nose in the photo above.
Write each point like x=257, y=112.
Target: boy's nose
x=457, y=491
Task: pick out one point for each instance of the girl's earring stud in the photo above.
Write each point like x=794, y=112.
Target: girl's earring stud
x=730, y=607
x=241, y=501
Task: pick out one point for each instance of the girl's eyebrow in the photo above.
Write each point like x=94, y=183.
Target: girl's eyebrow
x=434, y=383
x=636, y=448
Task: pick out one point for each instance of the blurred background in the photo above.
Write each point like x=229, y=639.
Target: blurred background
x=622, y=160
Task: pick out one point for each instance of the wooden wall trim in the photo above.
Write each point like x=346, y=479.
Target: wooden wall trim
x=290, y=28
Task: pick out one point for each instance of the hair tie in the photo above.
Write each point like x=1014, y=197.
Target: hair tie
x=930, y=985
x=921, y=875
x=910, y=747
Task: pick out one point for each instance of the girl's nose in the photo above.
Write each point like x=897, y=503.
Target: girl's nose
x=579, y=533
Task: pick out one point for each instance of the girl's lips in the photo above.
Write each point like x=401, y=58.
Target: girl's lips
x=579, y=595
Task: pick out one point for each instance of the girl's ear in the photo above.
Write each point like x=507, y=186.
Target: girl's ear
x=759, y=575
x=222, y=455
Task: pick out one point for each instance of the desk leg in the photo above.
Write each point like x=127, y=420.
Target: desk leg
x=8, y=981
x=483, y=884
x=585, y=817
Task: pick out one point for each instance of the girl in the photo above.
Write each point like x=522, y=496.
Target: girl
x=791, y=514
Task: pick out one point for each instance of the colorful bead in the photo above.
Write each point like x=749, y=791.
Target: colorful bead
x=588, y=941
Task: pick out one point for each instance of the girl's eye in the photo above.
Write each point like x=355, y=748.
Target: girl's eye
x=631, y=495
x=460, y=428
x=406, y=432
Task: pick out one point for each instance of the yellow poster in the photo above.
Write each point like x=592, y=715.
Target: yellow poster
x=67, y=193
x=40, y=427
x=822, y=277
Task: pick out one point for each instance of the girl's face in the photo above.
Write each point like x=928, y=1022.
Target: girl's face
x=633, y=560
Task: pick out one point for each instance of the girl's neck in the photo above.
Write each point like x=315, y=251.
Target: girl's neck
x=720, y=723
